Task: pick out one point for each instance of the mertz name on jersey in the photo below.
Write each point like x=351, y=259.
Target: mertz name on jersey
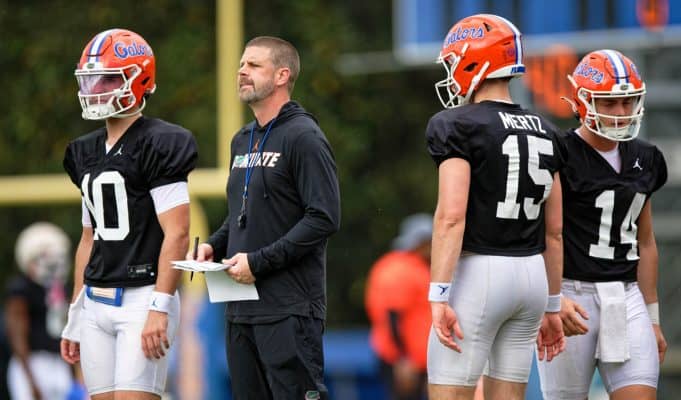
x=521, y=122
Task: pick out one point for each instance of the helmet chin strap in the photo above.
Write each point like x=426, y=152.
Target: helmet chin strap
x=148, y=93
x=137, y=111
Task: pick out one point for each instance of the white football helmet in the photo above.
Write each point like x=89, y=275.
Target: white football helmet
x=42, y=252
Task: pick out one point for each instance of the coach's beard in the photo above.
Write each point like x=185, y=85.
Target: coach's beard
x=255, y=94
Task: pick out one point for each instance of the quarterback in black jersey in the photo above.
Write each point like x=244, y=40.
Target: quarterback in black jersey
x=498, y=212
x=132, y=174
x=610, y=270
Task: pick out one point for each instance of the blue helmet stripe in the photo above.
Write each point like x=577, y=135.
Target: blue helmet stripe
x=516, y=38
x=96, y=47
x=618, y=64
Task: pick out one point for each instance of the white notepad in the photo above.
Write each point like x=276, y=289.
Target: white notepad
x=223, y=288
x=220, y=286
x=199, y=266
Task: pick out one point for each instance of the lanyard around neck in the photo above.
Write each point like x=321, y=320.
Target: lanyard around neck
x=253, y=160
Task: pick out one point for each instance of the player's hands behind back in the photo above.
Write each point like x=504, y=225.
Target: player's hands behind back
x=446, y=325
x=551, y=339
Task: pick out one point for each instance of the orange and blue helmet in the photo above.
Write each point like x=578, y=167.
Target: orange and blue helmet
x=116, y=73
x=607, y=74
x=479, y=47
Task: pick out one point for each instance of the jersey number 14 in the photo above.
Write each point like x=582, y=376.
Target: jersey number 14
x=606, y=202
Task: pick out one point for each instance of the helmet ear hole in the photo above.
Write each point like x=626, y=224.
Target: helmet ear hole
x=470, y=67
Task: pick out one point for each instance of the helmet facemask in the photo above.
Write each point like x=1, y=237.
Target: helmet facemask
x=449, y=87
x=618, y=128
x=50, y=267
x=97, y=97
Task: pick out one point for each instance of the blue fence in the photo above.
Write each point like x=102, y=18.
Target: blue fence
x=420, y=22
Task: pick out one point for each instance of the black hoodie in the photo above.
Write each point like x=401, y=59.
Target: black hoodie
x=293, y=206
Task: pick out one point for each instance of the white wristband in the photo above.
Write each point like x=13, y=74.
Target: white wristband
x=72, y=329
x=160, y=302
x=553, y=305
x=654, y=312
x=439, y=291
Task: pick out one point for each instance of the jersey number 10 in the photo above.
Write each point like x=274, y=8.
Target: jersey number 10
x=95, y=203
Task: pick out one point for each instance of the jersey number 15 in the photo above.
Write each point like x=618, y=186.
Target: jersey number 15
x=510, y=208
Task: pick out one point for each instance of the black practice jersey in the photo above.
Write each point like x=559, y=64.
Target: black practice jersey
x=601, y=207
x=116, y=189
x=512, y=156
x=38, y=303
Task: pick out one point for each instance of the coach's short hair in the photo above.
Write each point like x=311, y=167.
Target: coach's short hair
x=283, y=55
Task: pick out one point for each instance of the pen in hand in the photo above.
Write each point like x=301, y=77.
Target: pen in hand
x=196, y=254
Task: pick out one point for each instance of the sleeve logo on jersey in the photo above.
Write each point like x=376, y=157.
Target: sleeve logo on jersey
x=266, y=159
x=522, y=122
x=463, y=34
x=590, y=72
